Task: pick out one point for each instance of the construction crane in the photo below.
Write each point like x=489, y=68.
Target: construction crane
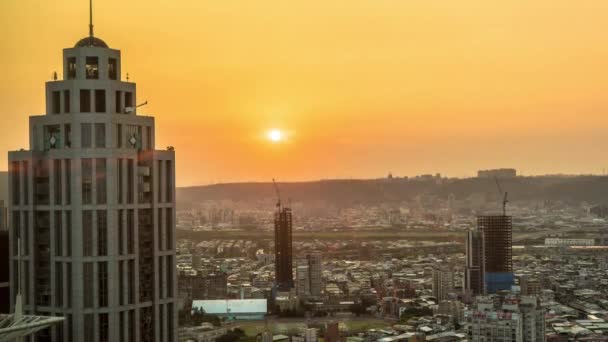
x=504, y=200
x=276, y=189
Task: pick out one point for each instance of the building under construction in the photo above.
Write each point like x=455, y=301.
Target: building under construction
x=497, y=233
x=283, y=249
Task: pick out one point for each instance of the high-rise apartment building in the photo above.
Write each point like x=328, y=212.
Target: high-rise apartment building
x=497, y=244
x=283, y=254
x=443, y=283
x=93, y=206
x=475, y=259
x=309, y=275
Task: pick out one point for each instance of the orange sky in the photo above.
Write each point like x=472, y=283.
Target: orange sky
x=361, y=87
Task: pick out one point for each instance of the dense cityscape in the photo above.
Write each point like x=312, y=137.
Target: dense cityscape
x=98, y=243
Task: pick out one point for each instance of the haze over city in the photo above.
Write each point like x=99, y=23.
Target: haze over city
x=356, y=88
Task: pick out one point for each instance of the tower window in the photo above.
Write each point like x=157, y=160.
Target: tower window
x=112, y=68
x=100, y=135
x=118, y=101
x=85, y=135
x=66, y=101
x=92, y=68
x=71, y=68
x=56, y=102
x=67, y=135
x=85, y=101
x=128, y=99
x=100, y=101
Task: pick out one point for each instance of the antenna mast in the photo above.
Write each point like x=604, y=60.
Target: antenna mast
x=91, y=18
x=504, y=200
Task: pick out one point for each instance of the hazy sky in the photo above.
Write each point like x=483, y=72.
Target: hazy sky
x=361, y=88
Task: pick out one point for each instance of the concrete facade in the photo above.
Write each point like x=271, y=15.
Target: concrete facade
x=93, y=204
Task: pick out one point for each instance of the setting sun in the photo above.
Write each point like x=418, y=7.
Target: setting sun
x=275, y=135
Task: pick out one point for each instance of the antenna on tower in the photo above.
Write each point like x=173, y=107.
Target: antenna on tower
x=504, y=200
x=91, y=18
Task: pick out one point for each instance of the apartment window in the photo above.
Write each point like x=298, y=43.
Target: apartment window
x=66, y=101
x=87, y=180
x=159, y=227
x=87, y=279
x=130, y=175
x=120, y=167
x=87, y=233
x=67, y=135
x=89, y=327
x=100, y=101
x=159, y=178
x=58, y=234
x=68, y=233
x=103, y=327
x=68, y=277
x=58, y=284
x=128, y=99
x=100, y=135
x=92, y=68
x=149, y=137
x=85, y=100
x=16, y=182
x=169, y=276
x=118, y=135
x=16, y=231
x=169, y=228
x=118, y=100
x=130, y=231
x=102, y=233
x=56, y=102
x=86, y=135
x=131, y=280
x=170, y=321
x=57, y=180
x=121, y=284
x=102, y=279
x=71, y=68
x=169, y=181
x=112, y=68
x=161, y=289
x=100, y=175
x=25, y=230
x=121, y=229
x=68, y=181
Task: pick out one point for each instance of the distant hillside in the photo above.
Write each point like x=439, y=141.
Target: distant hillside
x=574, y=189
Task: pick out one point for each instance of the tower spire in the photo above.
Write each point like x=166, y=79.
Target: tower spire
x=91, y=18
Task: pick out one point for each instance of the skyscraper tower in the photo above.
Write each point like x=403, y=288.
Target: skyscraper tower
x=475, y=259
x=283, y=249
x=497, y=244
x=93, y=204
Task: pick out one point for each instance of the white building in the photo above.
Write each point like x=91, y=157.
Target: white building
x=92, y=203
x=569, y=242
x=443, y=284
x=516, y=319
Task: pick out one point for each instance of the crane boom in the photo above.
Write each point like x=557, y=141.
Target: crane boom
x=278, y=192
x=504, y=200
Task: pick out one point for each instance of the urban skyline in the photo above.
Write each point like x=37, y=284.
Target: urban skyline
x=100, y=244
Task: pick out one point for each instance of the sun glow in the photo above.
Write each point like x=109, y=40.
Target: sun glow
x=275, y=135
